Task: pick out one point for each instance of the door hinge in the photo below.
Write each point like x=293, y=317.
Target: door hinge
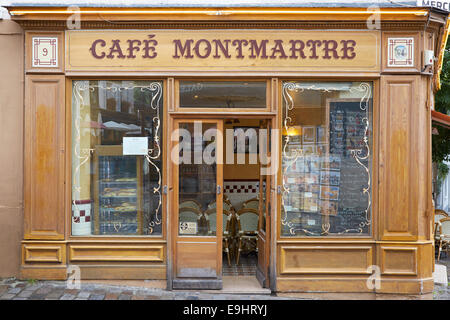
x=278, y=189
x=218, y=189
x=165, y=189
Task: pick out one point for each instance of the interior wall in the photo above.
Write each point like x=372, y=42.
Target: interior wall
x=11, y=153
x=240, y=171
x=241, y=181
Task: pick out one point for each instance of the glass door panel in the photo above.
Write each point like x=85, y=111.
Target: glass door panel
x=264, y=206
x=197, y=202
x=197, y=178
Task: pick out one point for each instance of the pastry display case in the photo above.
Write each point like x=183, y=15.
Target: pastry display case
x=118, y=207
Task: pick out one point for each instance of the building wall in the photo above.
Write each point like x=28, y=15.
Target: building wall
x=401, y=242
x=11, y=153
x=443, y=200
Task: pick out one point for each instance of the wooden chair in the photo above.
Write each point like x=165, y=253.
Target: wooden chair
x=251, y=204
x=226, y=205
x=444, y=235
x=247, y=236
x=438, y=216
x=190, y=204
x=211, y=217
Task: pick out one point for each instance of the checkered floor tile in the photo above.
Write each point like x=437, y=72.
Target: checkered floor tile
x=246, y=266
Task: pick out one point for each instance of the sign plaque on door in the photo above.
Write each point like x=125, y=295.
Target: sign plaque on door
x=188, y=228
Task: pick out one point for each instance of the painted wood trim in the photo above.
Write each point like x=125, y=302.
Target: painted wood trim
x=122, y=253
x=366, y=252
x=42, y=253
x=44, y=157
x=398, y=189
x=392, y=270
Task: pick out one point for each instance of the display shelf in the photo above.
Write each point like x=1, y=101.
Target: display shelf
x=116, y=173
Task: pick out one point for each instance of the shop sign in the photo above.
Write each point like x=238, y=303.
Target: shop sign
x=241, y=50
x=439, y=4
x=188, y=228
x=135, y=146
x=45, y=52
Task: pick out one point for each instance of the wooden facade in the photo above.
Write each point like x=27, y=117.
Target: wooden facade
x=400, y=242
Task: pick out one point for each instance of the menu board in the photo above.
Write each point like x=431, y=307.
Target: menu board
x=347, y=127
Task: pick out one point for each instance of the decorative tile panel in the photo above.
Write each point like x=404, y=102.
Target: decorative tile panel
x=45, y=52
x=400, y=52
x=240, y=191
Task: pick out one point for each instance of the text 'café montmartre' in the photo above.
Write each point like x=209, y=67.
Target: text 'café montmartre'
x=103, y=105
x=241, y=48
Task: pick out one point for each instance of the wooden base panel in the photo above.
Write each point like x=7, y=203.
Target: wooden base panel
x=399, y=286
x=354, y=296
x=101, y=272
x=324, y=285
x=43, y=273
x=200, y=284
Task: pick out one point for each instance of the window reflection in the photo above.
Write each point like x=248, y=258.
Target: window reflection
x=116, y=158
x=197, y=182
x=223, y=94
x=326, y=158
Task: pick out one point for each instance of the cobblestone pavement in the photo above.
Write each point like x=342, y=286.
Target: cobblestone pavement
x=442, y=292
x=13, y=289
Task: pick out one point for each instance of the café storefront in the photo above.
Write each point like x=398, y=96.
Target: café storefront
x=341, y=112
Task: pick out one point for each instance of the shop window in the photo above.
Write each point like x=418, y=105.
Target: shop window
x=326, y=159
x=116, y=158
x=223, y=94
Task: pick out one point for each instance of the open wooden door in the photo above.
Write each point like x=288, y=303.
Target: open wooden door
x=262, y=270
x=197, y=202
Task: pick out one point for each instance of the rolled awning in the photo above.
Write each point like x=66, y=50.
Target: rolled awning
x=440, y=119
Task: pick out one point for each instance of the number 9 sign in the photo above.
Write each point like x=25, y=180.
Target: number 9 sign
x=45, y=52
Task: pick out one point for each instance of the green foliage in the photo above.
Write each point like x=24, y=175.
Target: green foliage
x=441, y=145
x=442, y=98
x=441, y=142
x=442, y=171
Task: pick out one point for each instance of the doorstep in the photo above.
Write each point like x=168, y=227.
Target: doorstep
x=247, y=285
x=241, y=285
x=440, y=274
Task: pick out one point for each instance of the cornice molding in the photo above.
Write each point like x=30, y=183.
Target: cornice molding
x=53, y=25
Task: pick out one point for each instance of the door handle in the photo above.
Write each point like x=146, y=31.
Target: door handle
x=279, y=189
x=218, y=189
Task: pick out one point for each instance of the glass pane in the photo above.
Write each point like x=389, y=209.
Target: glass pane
x=264, y=206
x=223, y=94
x=327, y=155
x=197, y=179
x=116, y=158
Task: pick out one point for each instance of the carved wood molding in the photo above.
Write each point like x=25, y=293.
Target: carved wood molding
x=104, y=24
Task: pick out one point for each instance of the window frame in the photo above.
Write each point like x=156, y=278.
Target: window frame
x=179, y=109
x=373, y=162
x=68, y=160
